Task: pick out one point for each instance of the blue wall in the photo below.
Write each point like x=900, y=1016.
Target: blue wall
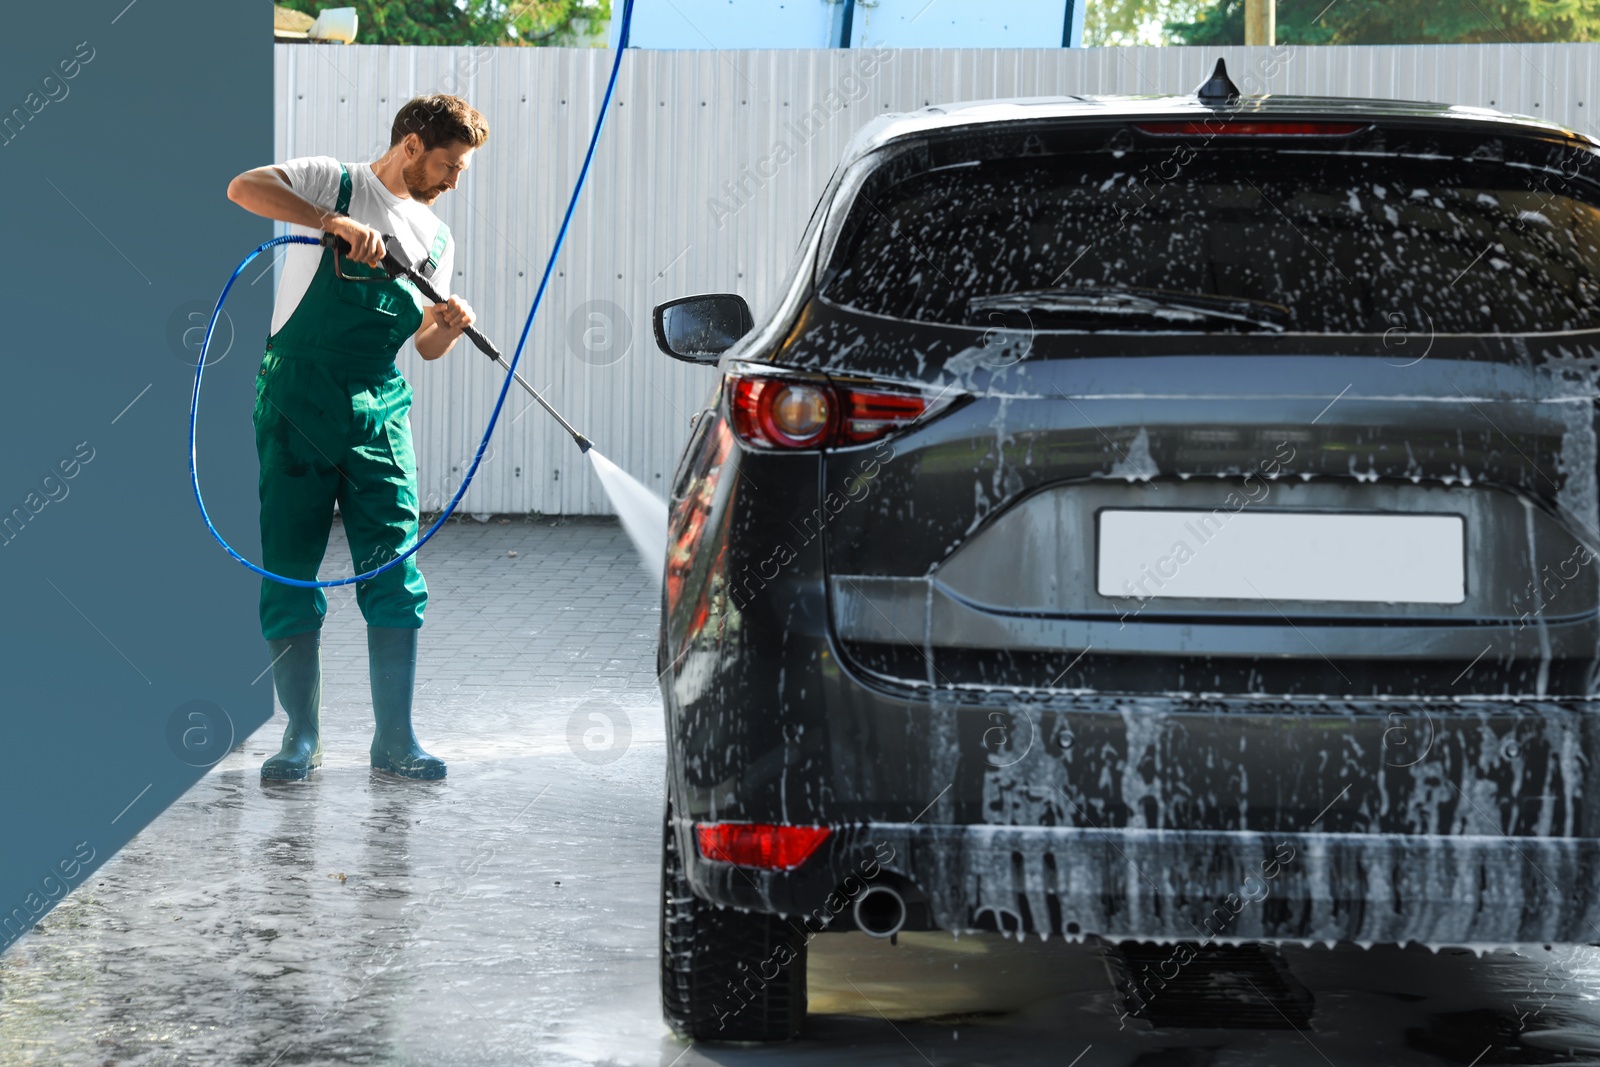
x=129, y=641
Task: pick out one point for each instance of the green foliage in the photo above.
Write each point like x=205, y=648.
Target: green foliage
x=474, y=22
x=558, y=22
x=1221, y=22
x=1123, y=22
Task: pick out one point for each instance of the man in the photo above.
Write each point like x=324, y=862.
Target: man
x=331, y=412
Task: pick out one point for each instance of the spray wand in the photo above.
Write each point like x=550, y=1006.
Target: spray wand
x=394, y=266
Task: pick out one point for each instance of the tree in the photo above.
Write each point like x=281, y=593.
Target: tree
x=1221, y=22
x=475, y=22
x=557, y=22
x=1123, y=22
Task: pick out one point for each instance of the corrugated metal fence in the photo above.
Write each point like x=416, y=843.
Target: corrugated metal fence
x=706, y=175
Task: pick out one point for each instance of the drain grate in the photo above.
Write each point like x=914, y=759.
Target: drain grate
x=1233, y=987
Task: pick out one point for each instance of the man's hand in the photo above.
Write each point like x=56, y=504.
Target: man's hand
x=454, y=314
x=442, y=326
x=266, y=191
x=366, y=244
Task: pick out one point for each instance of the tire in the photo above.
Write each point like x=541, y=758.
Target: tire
x=726, y=975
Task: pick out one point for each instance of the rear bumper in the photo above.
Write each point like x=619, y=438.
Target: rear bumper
x=1150, y=818
x=1195, y=885
x=1098, y=811
x=1167, y=819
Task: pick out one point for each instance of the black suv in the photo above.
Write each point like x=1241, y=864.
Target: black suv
x=1165, y=518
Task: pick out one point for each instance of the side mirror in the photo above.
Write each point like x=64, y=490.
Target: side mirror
x=698, y=329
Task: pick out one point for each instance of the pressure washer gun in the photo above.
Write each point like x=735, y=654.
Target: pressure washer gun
x=395, y=267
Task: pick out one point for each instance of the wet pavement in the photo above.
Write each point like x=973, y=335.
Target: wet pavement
x=508, y=914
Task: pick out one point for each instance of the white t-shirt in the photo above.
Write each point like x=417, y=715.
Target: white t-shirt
x=372, y=204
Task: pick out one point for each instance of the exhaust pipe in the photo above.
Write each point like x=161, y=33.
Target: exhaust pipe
x=880, y=911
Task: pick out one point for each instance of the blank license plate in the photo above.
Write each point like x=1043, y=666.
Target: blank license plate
x=1277, y=555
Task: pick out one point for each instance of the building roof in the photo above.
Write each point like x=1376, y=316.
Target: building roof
x=287, y=22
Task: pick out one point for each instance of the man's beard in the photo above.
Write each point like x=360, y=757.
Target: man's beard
x=414, y=176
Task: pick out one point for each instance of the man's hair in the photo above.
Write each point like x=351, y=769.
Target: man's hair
x=440, y=119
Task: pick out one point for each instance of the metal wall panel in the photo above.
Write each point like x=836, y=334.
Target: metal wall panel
x=706, y=174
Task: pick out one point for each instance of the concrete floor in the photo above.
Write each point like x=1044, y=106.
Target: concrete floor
x=508, y=914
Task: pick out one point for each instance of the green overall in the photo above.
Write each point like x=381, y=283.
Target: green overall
x=331, y=424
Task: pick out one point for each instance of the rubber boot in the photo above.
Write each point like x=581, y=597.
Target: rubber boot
x=297, y=676
x=392, y=663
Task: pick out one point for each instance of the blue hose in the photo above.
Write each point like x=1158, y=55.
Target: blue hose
x=494, y=417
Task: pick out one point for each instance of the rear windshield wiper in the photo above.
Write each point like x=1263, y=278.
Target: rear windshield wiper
x=1130, y=302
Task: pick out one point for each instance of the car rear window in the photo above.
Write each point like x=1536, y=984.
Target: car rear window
x=1305, y=240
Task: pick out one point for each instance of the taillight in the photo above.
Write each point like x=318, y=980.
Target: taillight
x=778, y=413
x=769, y=411
x=749, y=844
x=870, y=415
x=1247, y=127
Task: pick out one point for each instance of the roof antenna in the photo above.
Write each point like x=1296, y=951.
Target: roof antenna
x=1219, y=88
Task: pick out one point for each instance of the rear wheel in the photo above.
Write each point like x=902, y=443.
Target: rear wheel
x=726, y=975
